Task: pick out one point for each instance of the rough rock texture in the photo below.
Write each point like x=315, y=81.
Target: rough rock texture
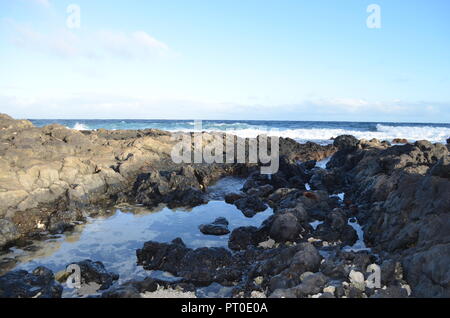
x=201, y=266
x=95, y=272
x=218, y=227
x=51, y=177
x=335, y=228
x=38, y=284
x=132, y=289
x=250, y=205
x=285, y=227
x=403, y=198
x=245, y=236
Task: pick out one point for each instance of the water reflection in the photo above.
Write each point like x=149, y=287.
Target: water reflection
x=113, y=240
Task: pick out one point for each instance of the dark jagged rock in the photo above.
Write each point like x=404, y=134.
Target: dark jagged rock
x=286, y=273
x=304, y=152
x=174, y=189
x=218, y=227
x=38, y=284
x=245, y=236
x=132, y=289
x=391, y=292
x=261, y=191
x=233, y=197
x=402, y=193
x=323, y=179
x=335, y=228
x=392, y=271
x=289, y=263
x=281, y=194
x=162, y=256
x=290, y=174
x=250, y=205
x=95, y=272
x=335, y=268
x=311, y=285
x=298, y=211
x=345, y=142
x=428, y=271
x=285, y=227
x=201, y=266
x=309, y=165
x=441, y=168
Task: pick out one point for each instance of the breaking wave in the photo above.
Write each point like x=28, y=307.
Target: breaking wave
x=320, y=132
x=325, y=135
x=79, y=126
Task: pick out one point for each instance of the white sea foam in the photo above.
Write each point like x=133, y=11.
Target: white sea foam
x=340, y=196
x=322, y=163
x=79, y=126
x=359, y=244
x=315, y=224
x=319, y=135
x=325, y=135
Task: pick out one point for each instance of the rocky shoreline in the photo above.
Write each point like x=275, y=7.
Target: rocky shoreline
x=52, y=177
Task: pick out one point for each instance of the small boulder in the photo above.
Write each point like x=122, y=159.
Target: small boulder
x=441, y=168
x=399, y=141
x=391, y=292
x=261, y=191
x=345, y=142
x=245, y=236
x=218, y=227
x=95, y=273
x=285, y=227
x=250, y=205
x=311, y=285
x=357, y=280
x=132, y=289
x=308, y=165
x=38, y=284
x=232, y=197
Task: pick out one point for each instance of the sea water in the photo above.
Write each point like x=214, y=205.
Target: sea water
x=317, y=131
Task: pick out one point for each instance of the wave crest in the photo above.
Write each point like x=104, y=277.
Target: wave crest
x=325, y=135
x=80, y=126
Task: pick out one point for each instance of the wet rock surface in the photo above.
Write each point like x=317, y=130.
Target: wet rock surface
x=201, y=266
x=40, y=283
x=218, y=227
x=95, y=274
x=402, y=193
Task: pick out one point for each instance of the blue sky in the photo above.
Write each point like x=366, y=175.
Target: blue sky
x=234, y=59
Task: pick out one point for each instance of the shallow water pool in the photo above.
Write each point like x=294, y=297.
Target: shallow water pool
x=113, y=240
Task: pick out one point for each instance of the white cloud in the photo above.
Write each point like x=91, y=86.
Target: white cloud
x=44, y=3
x=97, y=44
x=137, y=44
x=355, y=105
x=61, y=43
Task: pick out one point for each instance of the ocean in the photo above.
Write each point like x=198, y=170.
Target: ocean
x=302, y=131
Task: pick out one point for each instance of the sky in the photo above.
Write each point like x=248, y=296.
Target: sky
x=234, y=59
